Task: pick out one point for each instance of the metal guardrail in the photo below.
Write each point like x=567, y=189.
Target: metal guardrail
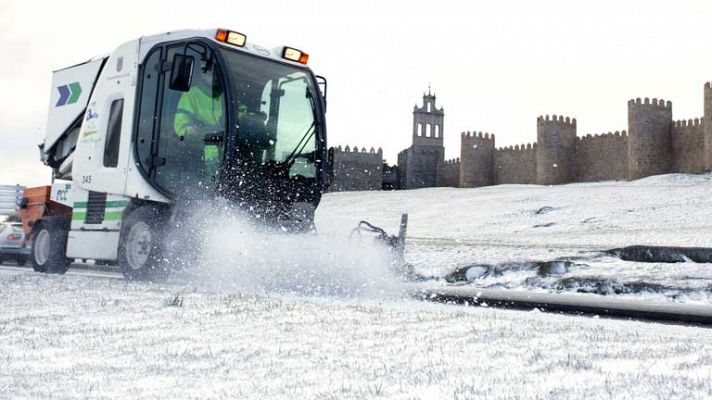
x=10, y=195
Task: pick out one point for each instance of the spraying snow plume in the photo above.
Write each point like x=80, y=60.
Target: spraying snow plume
x=236, y=255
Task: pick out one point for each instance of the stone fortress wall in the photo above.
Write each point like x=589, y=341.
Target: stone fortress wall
x=450, y=173
x=515, y=164
x=653, y=144
x=356, y=169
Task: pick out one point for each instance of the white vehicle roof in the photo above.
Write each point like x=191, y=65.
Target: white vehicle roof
x=275, y=53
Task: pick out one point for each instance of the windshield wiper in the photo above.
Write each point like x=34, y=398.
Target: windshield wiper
x=299, y=148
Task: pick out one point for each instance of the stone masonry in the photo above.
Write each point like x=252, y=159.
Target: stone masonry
x=356, y=169
x=653, y=144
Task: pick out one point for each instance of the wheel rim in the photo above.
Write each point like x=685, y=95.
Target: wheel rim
x=42, y=247
x=138, y=245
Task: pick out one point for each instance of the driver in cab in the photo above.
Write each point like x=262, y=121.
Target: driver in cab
x=200, y=112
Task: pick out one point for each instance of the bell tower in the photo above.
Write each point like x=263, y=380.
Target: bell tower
x=428, y=122
x=419, y=165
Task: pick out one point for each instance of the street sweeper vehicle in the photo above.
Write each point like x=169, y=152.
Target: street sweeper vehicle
x=164, y=123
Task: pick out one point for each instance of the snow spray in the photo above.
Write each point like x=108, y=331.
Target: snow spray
x=238, y=256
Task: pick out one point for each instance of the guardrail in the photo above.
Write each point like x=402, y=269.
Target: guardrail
x=10, y=195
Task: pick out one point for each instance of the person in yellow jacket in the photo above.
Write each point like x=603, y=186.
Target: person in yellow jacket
x=200, y=111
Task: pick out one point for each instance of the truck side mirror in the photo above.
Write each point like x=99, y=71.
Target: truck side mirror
x=181, y=72
x=321, y=81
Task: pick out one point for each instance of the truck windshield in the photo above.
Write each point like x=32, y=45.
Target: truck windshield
x=275, y=113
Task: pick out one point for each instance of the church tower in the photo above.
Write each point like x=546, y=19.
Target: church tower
x=419, y=165
x=428, y=123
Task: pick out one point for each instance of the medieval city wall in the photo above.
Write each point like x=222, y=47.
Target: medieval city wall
x=515, y=164
x=653, y=144
x=602, y=157
x=450, y=173
x=356, y=169
x=688, y=146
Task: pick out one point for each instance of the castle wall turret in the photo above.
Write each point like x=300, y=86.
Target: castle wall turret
x=476, y=159
x=707, y=126
x=649, y=125
x=556, y=145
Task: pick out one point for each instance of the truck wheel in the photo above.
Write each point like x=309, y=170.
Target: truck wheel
x=49, y=246
x=141, y=247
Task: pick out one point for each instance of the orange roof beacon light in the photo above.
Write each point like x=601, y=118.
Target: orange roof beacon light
x=230, y=37
x=295, y=55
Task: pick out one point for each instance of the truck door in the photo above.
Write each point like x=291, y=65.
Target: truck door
x=181, y=148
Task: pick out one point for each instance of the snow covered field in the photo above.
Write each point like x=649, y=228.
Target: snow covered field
x=78, y=336
x=455, y=228
x=291, y=317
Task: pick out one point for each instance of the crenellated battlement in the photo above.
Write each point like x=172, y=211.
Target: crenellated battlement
x=479, y=135
x=688, y=122
x=708, y=85
x=615, y=134
x=515, y=148
x=453, y=161
x=355, y=149
x=659, y=103
x=554, y=119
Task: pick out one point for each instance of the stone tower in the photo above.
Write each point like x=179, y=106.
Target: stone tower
x=707, y=126
x=649, y=125
x=555, y=150
x=428, y=123
x=476, y=159
x=420, y=163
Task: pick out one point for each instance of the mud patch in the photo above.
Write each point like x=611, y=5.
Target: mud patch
x=544, y=210
x=663, y=254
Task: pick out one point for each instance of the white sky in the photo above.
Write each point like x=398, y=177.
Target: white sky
x=494, y=65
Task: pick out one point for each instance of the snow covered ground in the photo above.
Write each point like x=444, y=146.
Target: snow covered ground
x=512, y=224
x=276, y=316
x=78, y=336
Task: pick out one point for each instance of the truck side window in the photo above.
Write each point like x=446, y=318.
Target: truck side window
x=113, y=134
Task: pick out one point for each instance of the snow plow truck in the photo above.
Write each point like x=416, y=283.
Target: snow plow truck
x=167, y=121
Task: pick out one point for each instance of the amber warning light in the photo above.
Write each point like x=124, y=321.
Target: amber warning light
x=295, y=55
x=230, y=37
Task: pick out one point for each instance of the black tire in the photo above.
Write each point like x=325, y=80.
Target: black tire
x=49, y=245
x=141, y=246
